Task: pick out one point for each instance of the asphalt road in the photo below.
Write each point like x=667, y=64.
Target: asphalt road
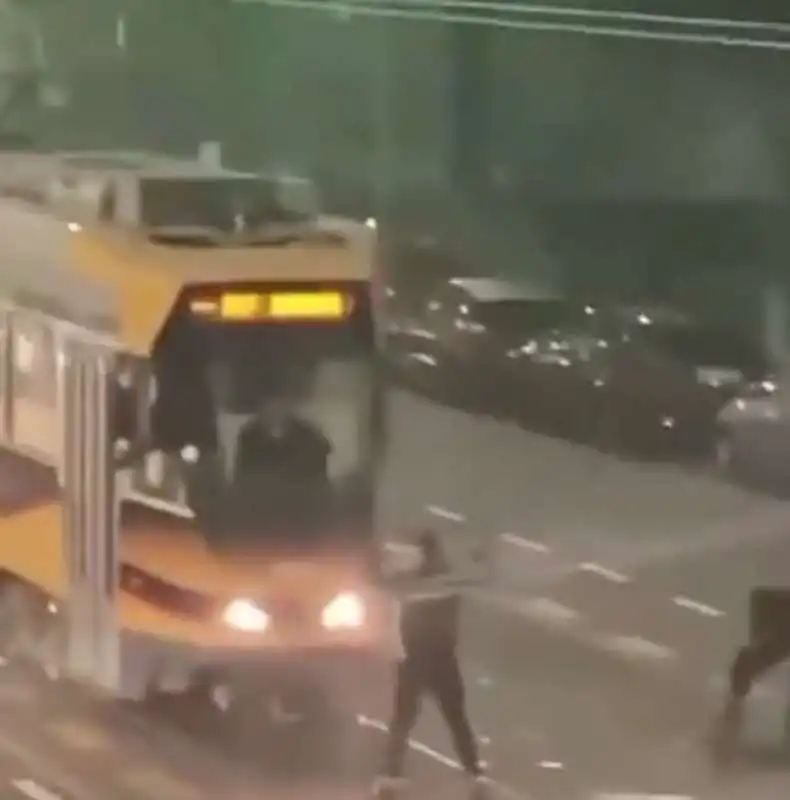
x=58, y=744
x=593, y=656
x=619, y=590
x=498, y=479
x=17, y=782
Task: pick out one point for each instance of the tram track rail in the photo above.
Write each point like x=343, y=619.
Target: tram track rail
x=90, y=748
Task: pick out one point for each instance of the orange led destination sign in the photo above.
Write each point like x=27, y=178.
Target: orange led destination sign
x=241, y=306
x=273, y=306
x=310, y=305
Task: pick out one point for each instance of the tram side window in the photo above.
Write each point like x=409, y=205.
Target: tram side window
x=35, y=364
x=136, y=392
x=183, y=413
x=133, y=389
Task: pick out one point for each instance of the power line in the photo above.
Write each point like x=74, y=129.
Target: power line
x=361, y=8
x=519, y=9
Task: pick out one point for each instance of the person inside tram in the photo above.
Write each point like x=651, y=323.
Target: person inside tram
x=278, y=439
x=281, y=463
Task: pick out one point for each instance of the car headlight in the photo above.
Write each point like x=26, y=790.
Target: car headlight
x=244, y=615
x=346, y=611
x=758, y=389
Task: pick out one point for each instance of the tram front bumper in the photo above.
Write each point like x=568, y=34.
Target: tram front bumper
x=352, y=671
x=306, y=681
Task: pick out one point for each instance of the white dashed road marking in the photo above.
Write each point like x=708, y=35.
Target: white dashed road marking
x=33, y=790
x=604, y=572
x=419, y=747
x=637, y=647
x=547, y=610
x=446, y=513
x=524, y=544
x=700, y=608
x=551, y=613
x=640, y=796
x=399, y=547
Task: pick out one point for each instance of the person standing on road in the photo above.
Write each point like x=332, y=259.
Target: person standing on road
x=769, y=646
x=428, y=664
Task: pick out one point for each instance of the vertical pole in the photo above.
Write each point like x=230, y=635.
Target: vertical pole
x=90, y=517
x=120, y=32
x=6, y=376
x=74, y=522
x=775, y=320
x=105, y=529
x=469, y=46
x=10, y=377
x=60, y=360
x=380, y=100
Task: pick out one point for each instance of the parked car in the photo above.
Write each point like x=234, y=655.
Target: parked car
x=414, y=268
x=452, y=342
x=634, y=378
x=753, y=436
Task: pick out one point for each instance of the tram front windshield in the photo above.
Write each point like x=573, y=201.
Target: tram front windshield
x=272, y=417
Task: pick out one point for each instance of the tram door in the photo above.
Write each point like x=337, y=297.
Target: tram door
x=91, y=515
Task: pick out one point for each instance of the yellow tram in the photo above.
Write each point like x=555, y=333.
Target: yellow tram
x=222, y=294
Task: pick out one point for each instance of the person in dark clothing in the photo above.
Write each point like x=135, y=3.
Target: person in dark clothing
x=281, y=474
x=428, y=664
x=769, y=646
x=278, y=441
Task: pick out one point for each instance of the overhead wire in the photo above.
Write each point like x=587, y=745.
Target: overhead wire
x=711, y=31
x=516, y=9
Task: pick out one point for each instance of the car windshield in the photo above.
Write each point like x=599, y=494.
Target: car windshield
x=294, y=470
x=226, y=203
x=703, y=345
x=527, y=317
x=272, y=423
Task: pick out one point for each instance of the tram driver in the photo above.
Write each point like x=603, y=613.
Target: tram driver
x=278, y=439
x=283, y=458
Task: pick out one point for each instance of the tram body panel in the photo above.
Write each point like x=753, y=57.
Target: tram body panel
x=40, y=268
x=182, y=558
x=165, y=649
x=31, y=549
x=145, y=278
x=164, y=548
x=121, y=283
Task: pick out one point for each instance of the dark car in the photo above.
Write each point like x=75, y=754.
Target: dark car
x=753, y=436
x=453, y=342
x=636, y=378
x=415, y=268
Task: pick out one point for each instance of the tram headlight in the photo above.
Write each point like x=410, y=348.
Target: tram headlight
x=346, y=611
x=244, y=615
x=190, y=454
